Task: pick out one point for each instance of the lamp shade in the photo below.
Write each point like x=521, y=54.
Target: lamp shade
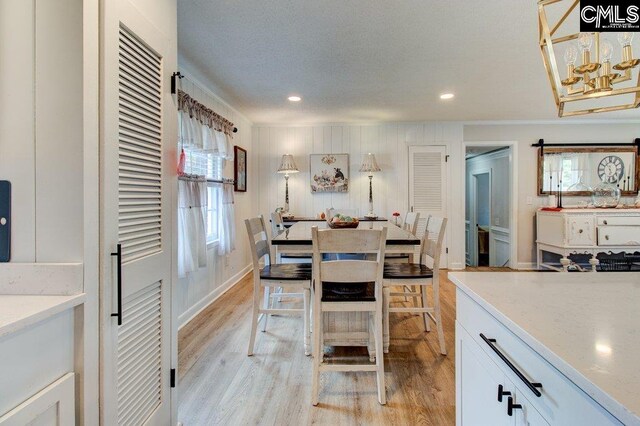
x=287, y=165
x=369, y=163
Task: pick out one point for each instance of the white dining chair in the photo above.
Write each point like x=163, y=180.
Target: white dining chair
x=410, y=224
x=333, y=274
x=277, y=228
x=296, y=276
x=420, y=275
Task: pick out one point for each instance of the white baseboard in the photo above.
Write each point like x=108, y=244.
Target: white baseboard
x=456, y=266
x=193, y=311
x=527, y=266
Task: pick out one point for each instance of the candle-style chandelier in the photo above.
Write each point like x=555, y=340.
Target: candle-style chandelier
x=590, y=76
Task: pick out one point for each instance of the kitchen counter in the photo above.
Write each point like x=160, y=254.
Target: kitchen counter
x=586, y=325
x=20, y=311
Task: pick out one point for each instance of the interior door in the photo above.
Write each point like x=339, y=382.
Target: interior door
x=135, y=216
x=427, y=186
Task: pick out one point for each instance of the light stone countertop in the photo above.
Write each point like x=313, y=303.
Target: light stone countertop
x=587, y=325
x=20, y=311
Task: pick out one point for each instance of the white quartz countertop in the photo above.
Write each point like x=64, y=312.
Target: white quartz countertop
x=587, y=325
x=20, y=311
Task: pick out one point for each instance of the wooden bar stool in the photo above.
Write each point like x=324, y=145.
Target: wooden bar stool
x=410, y=224
x=418, y=275
x=343, y=274
x=277, y=228
x=291, y=275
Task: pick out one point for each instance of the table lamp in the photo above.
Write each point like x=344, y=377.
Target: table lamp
x=287, y=165
x=370, y=165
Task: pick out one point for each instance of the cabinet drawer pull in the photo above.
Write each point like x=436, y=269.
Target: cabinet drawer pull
x=511, y=406
x=605, y=222
x=533, y=387
x=502, y=392
x=580, y=231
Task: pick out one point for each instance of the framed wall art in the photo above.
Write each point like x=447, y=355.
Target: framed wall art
x=239, y=169
x=329, y=172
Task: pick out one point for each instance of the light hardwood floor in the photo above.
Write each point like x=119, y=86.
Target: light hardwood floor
x=220, y=385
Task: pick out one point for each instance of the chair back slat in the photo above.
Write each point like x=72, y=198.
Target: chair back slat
x=432, y=241
x=349, y=240
x=277, y=226
x=258, y=241
x=411, y=222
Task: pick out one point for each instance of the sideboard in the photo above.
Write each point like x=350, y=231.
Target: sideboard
x=585, y=233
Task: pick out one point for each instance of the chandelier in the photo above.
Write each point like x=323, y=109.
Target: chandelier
x=592, y=82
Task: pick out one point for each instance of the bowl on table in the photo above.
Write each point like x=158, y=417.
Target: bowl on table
x=342, y=222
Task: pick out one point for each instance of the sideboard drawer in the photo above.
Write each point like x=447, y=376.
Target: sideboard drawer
x=561, y=401
x=619, y=220
x=618, y=235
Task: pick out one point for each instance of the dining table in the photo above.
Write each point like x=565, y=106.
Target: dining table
x=345, y=328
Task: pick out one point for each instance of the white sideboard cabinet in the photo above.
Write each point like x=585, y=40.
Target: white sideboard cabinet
x=586, y=232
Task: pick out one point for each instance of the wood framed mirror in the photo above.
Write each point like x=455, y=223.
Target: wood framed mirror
x=583, y=168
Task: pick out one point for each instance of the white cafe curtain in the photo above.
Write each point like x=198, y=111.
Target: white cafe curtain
x=198, y=137
x=192, y=234
x=226, y=221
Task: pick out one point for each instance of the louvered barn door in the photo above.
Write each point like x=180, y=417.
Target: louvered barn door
x=135, y=224
x=427, y=186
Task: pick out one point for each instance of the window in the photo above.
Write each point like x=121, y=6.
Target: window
x=202, y=163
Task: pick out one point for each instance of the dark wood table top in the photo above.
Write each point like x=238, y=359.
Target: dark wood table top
x=300, y=233
x=295, y=219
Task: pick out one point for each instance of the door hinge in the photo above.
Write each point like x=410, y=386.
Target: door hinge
x=446, y=158
x=172, y=379
x=446, y=250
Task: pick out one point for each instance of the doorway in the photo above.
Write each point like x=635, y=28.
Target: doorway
x=489, y=218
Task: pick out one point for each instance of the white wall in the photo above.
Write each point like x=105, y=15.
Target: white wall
x=389, y=142
x=200, y=288
x=526, y=134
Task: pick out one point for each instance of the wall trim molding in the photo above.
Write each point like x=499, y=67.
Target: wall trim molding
x=527, y=266
x=204, y=303
x=456, y=266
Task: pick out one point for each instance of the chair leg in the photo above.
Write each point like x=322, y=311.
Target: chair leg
x=438, y=317
x=317, y=351
x=267, y=305
x=307, y=320
x=414, y=289
x=382, y=396
x=254, y=317
x=385, y=317
x=425, y=303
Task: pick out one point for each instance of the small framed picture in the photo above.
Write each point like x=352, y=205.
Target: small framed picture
x=239, y=169
x=329, y=172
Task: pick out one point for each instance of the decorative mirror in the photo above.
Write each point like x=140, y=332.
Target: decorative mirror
x=582, y=169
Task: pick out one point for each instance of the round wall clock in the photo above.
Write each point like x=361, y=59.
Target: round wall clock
x=611, y=169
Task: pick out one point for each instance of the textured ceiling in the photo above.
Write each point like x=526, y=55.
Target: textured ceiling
x=370, y=60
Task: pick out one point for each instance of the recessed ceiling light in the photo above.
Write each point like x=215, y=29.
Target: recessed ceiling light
x=294, y=98
x=446, y=96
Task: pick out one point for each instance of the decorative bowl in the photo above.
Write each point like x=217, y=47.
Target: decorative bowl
x=343, y=225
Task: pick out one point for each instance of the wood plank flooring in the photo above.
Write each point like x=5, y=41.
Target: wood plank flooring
x=220, y=385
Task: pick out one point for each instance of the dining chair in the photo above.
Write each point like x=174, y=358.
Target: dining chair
x=410, y=224
x=420, y=275
x=277, y=228
x=334, y=281
x=296, y=276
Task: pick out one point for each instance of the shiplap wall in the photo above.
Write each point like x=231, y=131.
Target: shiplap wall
x=389, y=143
x=198, y=289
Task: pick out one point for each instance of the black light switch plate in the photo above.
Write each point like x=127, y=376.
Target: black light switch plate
x=5, y=220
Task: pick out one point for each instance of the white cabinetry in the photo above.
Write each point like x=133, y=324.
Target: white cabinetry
x=500, y=380
x=585, y=232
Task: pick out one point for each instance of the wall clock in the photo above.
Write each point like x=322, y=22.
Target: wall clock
x=611, y=169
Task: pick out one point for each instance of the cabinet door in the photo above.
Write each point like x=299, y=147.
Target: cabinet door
x=527, y=415
x=580, y=231
x=477, y=385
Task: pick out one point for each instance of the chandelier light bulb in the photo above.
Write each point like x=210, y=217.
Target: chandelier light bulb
x=606, y=50
x=625, y=38
x=571, y=54
x=585, y=40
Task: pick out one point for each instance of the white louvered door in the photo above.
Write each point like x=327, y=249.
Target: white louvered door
x=427, y=186
x=136, y=215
